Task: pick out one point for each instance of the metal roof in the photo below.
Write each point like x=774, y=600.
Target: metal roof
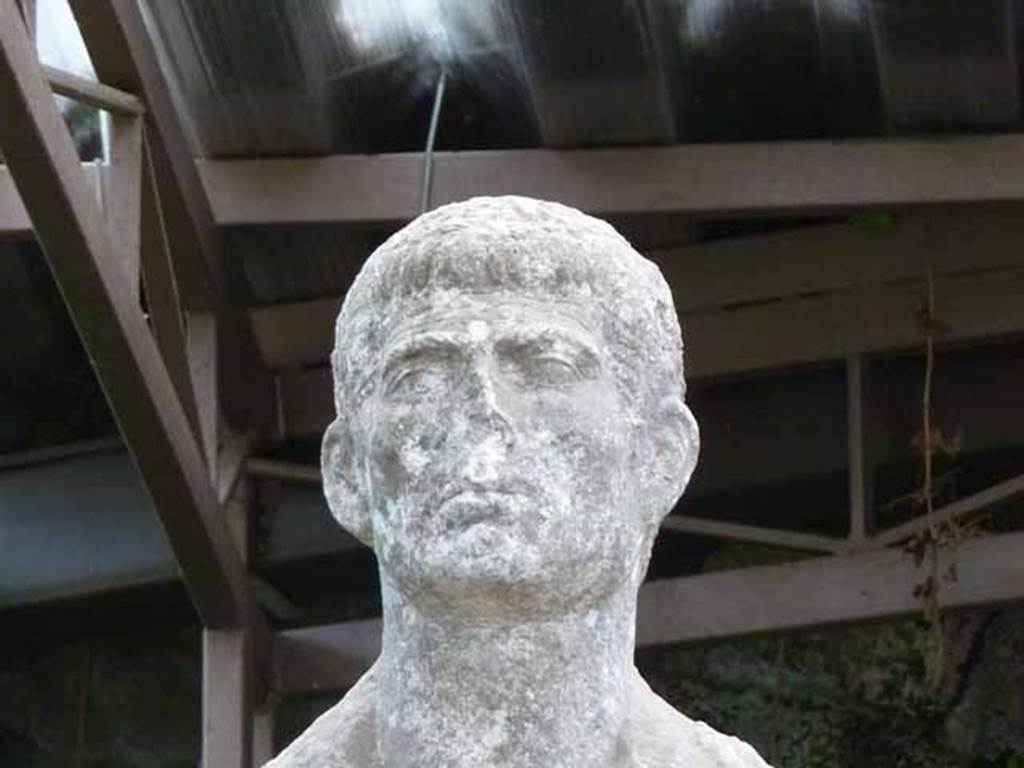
x=261, y=77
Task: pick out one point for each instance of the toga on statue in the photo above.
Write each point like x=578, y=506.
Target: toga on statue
x=511, y=430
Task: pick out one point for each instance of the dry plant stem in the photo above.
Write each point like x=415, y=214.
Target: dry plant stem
x=926, y=401
x=931, y=596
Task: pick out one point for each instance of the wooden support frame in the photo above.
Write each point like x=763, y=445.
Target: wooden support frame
x=236, y=666
x=124, y=193
x=227, y=698
x=81, y=253
x=59, y=452
x=92, y=93
x=125, y=57
x=752, y=338
x=770, y=178
x=802, y=542
x=162, y=300
x=15, y=224
x=953, y=511
x=821, y=292
x=822, y=592
x=808, y=594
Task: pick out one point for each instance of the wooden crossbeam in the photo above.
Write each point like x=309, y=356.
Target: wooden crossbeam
x=756, y=337
x=808, y=594
x=865, y=268
x=825, y=591
x=125, y=57
x=92, y=93
x=75, y=238
x=769, y=178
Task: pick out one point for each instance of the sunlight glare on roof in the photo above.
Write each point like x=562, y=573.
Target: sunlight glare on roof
x=59, y=40
x=374, y=26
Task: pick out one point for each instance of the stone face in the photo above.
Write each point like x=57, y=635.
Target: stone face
x=511, y=430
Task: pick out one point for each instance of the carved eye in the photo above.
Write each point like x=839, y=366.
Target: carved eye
x=415, y=382
x=551, y=371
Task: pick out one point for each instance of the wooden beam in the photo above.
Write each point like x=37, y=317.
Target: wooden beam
x=825, y=591
x=759, y=337
x=236, y=665
x=717, y=529
x=282, y=470
x=28, y=13
x=859, y=264
x=264, y=743
x=782, y=177
x=202, y=343
x=31, y=458
x=807, y=594
x=125, y=57
x=123, y=192
x=92, y=93
x=162, y=302
x=230, y=464
x=953, y=512
x=15, y=224
x=227, y=699
x=839, y=257
x=79, y=249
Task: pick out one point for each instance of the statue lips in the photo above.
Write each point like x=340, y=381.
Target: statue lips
x=497, y=505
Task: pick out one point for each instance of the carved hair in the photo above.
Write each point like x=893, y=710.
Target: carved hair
x=525, y=247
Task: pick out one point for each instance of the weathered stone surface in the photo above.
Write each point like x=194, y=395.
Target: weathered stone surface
x=511, y=429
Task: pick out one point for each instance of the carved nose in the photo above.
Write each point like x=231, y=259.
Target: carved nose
x=489, y=422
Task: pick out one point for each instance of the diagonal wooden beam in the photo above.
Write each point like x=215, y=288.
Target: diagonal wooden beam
x=125, y=57
x=718, y=529
x=952, y=512
x=74, y=235
x=15, y=225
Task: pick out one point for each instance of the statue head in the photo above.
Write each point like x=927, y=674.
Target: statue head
x=511, y=425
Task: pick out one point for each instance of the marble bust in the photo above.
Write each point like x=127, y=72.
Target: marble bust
x=510, y=431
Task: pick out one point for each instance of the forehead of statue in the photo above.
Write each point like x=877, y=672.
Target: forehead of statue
x=483, y=319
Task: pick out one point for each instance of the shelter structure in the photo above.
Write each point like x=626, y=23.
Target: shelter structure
x=833, y=189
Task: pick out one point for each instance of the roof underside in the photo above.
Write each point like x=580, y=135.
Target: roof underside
x=266, y=77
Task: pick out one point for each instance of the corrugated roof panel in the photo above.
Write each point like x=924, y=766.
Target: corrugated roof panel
x=263, y=77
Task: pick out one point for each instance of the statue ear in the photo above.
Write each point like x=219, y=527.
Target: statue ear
x=342, y=485
x=676, y=444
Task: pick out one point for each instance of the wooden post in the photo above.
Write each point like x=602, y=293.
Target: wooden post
x=264, y=745
x=123, y=193
x=227, y=698
x=857, y=409
x=202, y=360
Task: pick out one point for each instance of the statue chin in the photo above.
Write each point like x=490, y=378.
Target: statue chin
x=483, y=574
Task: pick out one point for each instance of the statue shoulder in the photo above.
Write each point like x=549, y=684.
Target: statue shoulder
x=663, y=737
x=342, y=737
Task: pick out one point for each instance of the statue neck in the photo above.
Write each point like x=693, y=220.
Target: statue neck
x=550, y=692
